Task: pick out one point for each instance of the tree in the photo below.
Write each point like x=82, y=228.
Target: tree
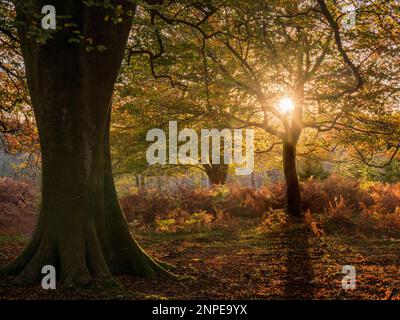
x=266, y=51
x=149, y=97
x=18, y=134
x=312, y=167
x=81, y=229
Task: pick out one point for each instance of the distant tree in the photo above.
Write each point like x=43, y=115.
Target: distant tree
x=312, y=167
x=261, y=52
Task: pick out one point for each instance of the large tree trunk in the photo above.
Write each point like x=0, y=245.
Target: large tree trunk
x=81, y=228
x=216, y=173
x=293, y=196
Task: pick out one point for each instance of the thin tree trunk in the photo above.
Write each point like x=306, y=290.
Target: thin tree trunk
x=293, y=196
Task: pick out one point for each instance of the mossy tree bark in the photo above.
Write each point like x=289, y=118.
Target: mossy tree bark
x=81, y=229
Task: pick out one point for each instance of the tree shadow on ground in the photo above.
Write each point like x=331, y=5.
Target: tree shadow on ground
x=299, y=278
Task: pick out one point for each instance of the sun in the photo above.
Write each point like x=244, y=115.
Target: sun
x=286, y=105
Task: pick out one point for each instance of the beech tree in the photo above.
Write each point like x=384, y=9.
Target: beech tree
x=297, y=49
x=71, y=73
x=275, y=53
x=149, y=95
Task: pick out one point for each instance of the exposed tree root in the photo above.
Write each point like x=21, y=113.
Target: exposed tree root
x=82, y=263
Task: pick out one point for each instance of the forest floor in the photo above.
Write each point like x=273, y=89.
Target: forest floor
x=241, y=263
